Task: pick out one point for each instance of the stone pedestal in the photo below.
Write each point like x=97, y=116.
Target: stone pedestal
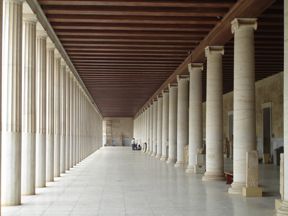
x=28, y=103
x=182, y=118
x=195, y=114
x=199, y=167
x=214, y=115
x=244, y=139
x=251, y=188
x=172, y=141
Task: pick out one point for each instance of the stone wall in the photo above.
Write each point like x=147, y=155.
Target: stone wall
x=119, y=131
x=268, y=91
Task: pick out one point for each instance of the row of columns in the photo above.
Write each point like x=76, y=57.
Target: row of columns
x=180, y=122
x=48, y=122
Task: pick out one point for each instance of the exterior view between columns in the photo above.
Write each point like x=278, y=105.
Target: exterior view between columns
x=159, y=126
x=11, y=103
x=50, y=112
x=195, y=114
x=41, y=106
x=172, y=123
x=244, y=139
x=28, y=102
x=283, y=210
x=182, y=118
x=165, y=116
x=214, y=112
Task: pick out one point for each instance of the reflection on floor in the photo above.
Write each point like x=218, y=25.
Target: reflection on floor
x=116, y=181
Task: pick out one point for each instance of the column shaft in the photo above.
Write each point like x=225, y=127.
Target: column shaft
x=63, y=117
x=57, y=117
x=50, y=113
x=155, y=109
x=159, y=127
x=195, y=113
x=172, y=134
x=67, y=148
x=11, y=103
x=28, y=105
x=41, y=108
x=214, y=119
x=165, y=116
x=182, y=118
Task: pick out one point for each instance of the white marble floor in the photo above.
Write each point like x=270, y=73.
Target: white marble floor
x=116, y=181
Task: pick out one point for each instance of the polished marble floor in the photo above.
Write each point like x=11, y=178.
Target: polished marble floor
x=116, y=181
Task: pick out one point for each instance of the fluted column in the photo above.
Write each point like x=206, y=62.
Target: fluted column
x=71, y=122
x=214, y=115
x=283, y=210
x=165, y=116
x=155, y=109
x=172, y=127
x=244, y=135
x=67, y=148
x=182, y=118
x=57, y=117
x=63, y=117
x=74, y=123
x=151, y=129
x=195, y=113
x=28, y=104
x=11, y=102
x=50, y=113
x=41, y=107
x=159, y=126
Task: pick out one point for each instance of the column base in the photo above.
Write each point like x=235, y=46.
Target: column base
x=171, y=161
x=179, y=164
x=158, y=156
x=213, y=176
x=282, y=209
x=190, y=169
x=163, y=158
x=153, y=155
x=252, y=191
x=236, y=188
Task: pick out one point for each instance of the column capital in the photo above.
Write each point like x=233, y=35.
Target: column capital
x=172, y=85
x=209, y=50
x=57, y=54
x=63, y=62
x=182, y=77
x=192, y=66
x=30, y=18
x=237, y=23
x=160, y=95
x=40, y=31
x=166, y=90
x=15, y=1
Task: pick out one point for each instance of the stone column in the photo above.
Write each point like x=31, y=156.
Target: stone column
x=57, y=117
x=41, y=107
x=165, y=116
x=50, y=112
x=159, y=127
x=11, y=102
x=244, y=136
x=283, y=210
x=214, y=115
x=151, y=129
x=67, y=148
x=155, y=109
x=71, y=121
x=63, y=117
x=172, y=123
x=195, y=113
x=182, y=118
x=28, y=104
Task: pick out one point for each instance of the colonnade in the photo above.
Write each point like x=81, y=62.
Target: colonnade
x=48, y=122
x=183, y=108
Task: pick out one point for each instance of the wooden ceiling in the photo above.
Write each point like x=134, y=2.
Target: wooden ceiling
x=125, y=49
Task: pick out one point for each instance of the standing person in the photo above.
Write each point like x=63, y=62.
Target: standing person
x=133, y=143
